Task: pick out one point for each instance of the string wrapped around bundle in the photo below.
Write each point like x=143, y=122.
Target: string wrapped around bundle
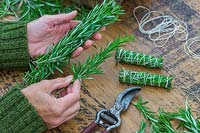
x=137, y=58
x=143, y=78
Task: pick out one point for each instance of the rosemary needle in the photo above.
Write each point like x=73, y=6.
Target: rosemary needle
x=142, y=127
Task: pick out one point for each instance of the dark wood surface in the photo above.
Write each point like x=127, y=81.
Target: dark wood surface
x=102, y=91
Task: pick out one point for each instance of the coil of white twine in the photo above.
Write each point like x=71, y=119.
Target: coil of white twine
x=160, y=28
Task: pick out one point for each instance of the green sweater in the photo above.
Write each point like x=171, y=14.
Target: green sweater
x=17, y=115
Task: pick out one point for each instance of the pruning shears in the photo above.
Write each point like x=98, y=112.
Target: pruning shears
x=110, y=119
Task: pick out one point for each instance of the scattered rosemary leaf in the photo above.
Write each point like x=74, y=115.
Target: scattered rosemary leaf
x=142, y=127
x=159, y=124
x=148, y=114
x=186, y=119
x=91, y=65
x=164, y=124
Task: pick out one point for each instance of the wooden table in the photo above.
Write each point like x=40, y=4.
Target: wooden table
x=101, y=92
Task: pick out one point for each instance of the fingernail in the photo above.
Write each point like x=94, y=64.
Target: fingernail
x=75, y=11
x=80, y=82
x=69, y=78
x=77, y=82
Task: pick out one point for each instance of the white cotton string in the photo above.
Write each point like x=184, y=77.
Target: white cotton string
x=161, y=27
x=182, y=30
x=187, y=47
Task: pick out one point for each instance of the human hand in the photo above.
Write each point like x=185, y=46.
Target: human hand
x=54, y=111
x=49, y=29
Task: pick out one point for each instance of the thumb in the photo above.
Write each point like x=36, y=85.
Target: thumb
x=61, y=18
x=68, y=100
x=60, y=83
x=76, y=87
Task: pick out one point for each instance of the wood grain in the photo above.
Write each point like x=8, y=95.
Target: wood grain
x=101, y=92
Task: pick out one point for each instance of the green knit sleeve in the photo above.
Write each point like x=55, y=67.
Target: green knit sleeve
x=13, y=46
x=17, y=115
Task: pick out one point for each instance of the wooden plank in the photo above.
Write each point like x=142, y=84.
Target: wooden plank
x=101, y=92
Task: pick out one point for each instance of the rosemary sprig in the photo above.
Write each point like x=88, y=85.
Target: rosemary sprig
x=186, y=119
x=164, y=124
x=148, y=114
x=102, y=15
x=142, y=127
x=158, y=124
x=91, y=65
x=29, y=9
x=136, y=58
x=143, y=78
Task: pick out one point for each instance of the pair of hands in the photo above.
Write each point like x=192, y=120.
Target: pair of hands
x=43, y=32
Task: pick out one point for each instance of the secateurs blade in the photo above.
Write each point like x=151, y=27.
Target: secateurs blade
x=110, y=118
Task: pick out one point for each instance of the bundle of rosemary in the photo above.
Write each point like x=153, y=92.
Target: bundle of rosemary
x=91, y=65
x=161, y=122
x=102, y=15
x=143, y=78
x=29, y=9
x=131, y=57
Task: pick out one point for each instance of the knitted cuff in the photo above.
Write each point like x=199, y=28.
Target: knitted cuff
x=13, y=46
x=17, y=115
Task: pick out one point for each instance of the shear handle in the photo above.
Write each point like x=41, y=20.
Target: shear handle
x=90, y=128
